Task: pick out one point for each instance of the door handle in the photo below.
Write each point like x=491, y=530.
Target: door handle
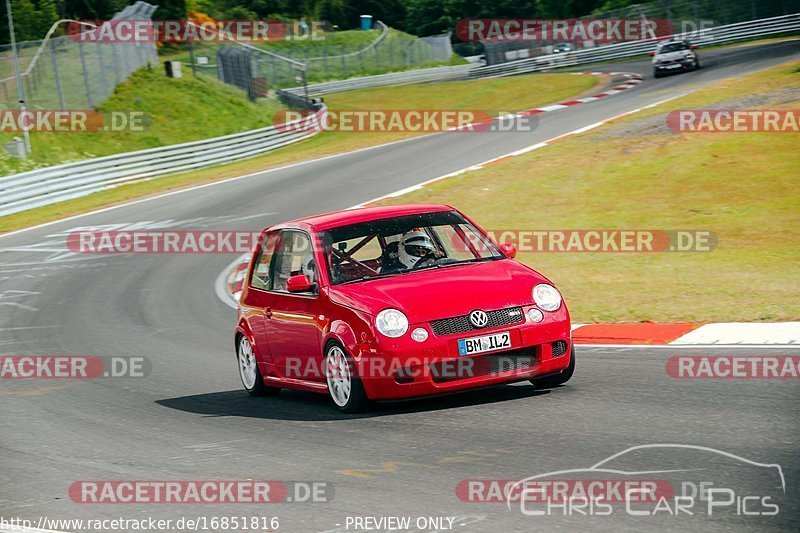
x=268, y=312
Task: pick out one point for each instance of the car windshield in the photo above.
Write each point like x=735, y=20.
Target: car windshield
x=673, y=47
x=397, y=246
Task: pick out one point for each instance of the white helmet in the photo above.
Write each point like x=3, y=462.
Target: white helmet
x=414, y=246
x=309, y=267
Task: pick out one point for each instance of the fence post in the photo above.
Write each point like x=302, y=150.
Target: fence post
x=85, y=75
x=344, y=60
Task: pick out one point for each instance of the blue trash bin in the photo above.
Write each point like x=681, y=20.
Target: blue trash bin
x=366, y=22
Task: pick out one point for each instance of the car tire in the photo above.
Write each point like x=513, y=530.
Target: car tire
x=656, y=74
x=558, y=379
x=344, y=385
x=249, y=373
x=696, y=63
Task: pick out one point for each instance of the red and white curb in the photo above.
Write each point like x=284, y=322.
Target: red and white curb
x=730, y=333
x=632, y=80
x=231, y=280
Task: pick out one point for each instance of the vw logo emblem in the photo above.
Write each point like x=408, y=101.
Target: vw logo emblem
x=478, y=318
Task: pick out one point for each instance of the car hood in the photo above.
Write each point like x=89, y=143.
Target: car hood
x=444, y=292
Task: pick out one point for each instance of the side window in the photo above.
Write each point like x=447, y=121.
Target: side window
x=260, y=278
x=294, y=256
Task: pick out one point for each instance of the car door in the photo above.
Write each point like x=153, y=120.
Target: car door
x=293, y=327
x=255, y=301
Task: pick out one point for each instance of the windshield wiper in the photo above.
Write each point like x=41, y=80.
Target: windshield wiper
x=376, y=276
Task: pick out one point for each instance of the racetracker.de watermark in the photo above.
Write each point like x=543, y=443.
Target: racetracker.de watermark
x=605, y=240
x=417, y=369
x=733, y=367
x=404, y=121
x=202, y=492
x=196, y=31
x=163, y=242
x=563, y=490
x=72, y=367
x=597, y=31
x=70, y=121
x=734, y=121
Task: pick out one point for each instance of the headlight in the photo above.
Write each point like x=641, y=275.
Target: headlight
x=391, y=323
x=546, y=297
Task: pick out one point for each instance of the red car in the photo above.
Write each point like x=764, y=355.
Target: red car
x=394, y=302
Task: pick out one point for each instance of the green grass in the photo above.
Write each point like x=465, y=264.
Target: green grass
x=176, y=111
x=743, y=187
x=517, y=93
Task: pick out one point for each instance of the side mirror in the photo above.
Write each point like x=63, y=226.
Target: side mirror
x=652, y=54
x=509, y=250
x=694, y=47
x=299, y=283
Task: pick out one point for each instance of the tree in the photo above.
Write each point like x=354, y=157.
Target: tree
x=32, y=19
x=171, y=10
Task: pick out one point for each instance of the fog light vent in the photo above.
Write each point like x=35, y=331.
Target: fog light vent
x=559, y=348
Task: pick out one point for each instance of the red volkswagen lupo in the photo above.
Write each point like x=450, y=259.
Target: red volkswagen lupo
x=393, y=302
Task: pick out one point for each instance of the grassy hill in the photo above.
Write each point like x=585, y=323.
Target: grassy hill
x=176, y=111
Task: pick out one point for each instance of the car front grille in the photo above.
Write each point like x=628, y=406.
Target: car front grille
x=483, y=365
x=461, y=324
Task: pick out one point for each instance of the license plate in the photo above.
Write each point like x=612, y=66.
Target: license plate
x=673, y=66
x=486, y=343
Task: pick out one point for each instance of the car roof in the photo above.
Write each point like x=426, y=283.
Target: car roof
x=335, y=219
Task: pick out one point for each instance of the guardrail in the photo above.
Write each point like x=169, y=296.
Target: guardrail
x=50, y=185
x=709, y=37
x=393, y=78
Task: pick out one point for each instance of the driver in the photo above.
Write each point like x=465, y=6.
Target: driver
x=406, y=252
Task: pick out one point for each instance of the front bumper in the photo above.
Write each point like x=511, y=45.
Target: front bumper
x=404, y=368
x=677, y=66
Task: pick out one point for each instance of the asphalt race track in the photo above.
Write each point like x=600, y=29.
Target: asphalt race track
x=189, y=419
